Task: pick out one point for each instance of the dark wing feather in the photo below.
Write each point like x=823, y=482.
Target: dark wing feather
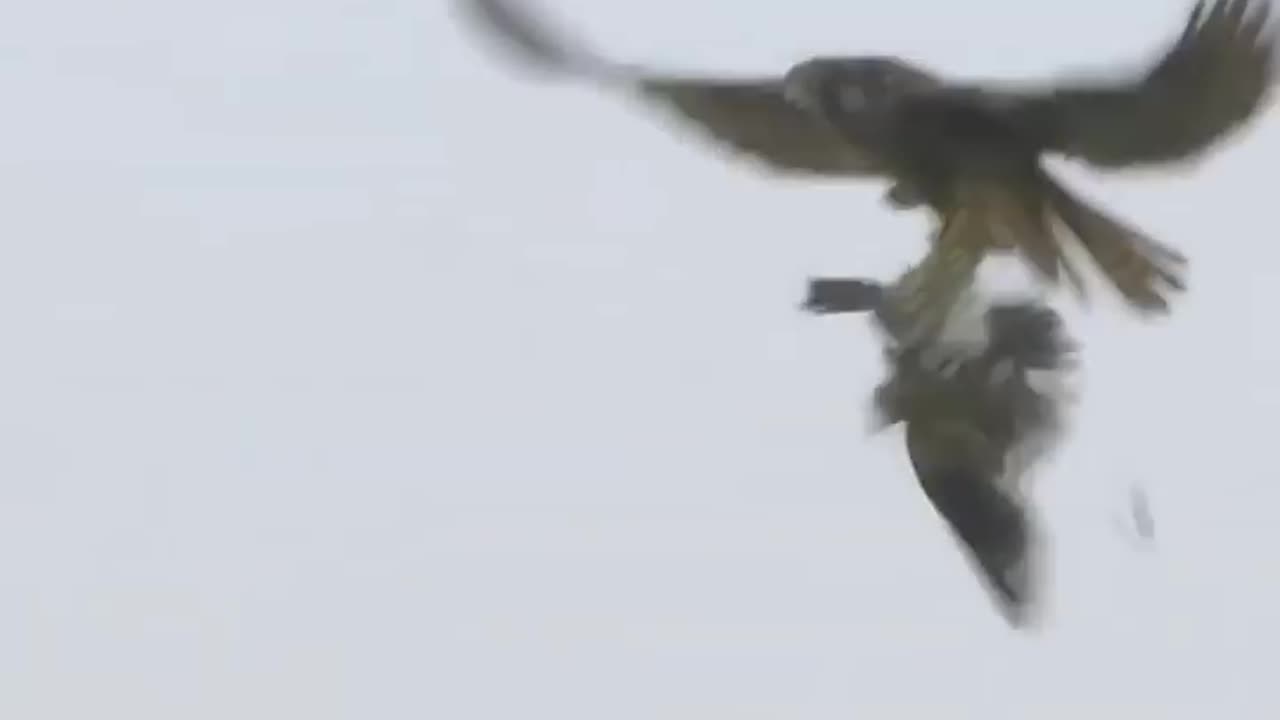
x=750, y=116
x=959, y=471
x=1212, y=81
x=753, y=119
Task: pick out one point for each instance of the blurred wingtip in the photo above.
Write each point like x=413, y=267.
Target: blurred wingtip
x=524, y=36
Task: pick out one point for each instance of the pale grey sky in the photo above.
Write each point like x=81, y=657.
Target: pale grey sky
x=348, y=373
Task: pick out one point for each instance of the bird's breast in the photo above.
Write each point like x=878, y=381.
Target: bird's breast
x=939, y=147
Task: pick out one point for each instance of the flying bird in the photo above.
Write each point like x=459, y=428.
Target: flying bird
x=975, y=424
x=971, y=151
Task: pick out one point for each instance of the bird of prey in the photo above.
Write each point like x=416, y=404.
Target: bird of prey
x=971, y=151
x=974, y=423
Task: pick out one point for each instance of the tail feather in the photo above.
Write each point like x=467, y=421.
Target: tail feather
x=1011, y=216
x=1034, y=233
x=1143, y=270
x=1029, y=217
x=986, y=216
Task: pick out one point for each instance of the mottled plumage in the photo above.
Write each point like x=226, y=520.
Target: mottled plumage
x=975, y=419
x=971, y=152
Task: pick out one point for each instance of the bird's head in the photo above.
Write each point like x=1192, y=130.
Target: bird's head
x=843, y=295
x=851, y=86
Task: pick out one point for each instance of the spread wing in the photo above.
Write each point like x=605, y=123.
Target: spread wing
x=958, y=470
x=1208, y=84
x=748, y=116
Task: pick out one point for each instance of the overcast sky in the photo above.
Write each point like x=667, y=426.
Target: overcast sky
x=348, y=372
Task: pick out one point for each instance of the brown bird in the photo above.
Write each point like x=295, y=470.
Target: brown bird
x=975, y=423
x=971, y=152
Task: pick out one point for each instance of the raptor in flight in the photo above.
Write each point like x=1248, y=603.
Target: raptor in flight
x=971, y=151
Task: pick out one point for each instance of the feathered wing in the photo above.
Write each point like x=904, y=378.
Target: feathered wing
x=1208, y=84
x=749, y=116
x=959, y=471
x=754, y=120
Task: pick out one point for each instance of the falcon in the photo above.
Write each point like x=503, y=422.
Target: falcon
x=977, y=417
x=972, y=152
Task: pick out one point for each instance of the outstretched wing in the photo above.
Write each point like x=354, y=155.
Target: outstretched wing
x=749, y=116
x=1213, y=80
x=959, y=470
